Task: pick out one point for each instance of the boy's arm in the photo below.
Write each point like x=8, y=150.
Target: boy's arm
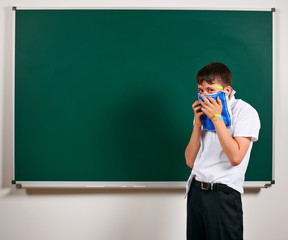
x=193, y=146
x=235, y=148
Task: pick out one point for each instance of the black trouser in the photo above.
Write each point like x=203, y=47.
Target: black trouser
x=214, y=214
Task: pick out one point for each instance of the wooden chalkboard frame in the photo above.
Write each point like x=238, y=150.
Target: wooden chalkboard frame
x=72, y=184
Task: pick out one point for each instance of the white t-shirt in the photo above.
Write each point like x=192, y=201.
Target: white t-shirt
x=211, y=163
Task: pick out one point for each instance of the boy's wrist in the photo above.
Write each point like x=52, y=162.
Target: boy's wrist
x=217, y=120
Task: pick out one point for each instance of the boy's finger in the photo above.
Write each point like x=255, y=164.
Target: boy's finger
x=198, y=107
x=219, y=101
x=205, y=99
x=204, y=106
x=204, y=110
x=195, y=103
x=202, y=102
x=212, y=99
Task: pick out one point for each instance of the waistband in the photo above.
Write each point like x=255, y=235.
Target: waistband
x=206, y=186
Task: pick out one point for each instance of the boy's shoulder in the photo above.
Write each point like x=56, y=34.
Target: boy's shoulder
x=241, y=107
x=241, y=104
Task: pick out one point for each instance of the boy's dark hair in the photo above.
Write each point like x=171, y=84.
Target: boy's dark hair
x=215, y=71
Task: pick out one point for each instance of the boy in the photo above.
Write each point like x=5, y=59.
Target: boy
x=218, y=159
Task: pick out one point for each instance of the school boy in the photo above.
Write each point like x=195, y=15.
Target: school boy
x=218, y=159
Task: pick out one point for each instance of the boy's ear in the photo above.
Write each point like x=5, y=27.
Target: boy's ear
x=229, y=90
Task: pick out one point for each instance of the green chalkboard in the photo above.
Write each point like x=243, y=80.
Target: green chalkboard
x=106, y=95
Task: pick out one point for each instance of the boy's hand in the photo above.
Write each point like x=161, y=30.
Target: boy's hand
x=197, y=113
x=211, y=108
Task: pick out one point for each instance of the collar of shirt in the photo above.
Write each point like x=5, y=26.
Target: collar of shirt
x=232, y=98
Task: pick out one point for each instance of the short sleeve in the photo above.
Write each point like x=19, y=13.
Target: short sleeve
x=247, y=123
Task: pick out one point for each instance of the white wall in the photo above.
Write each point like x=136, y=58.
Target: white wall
x=131, y=214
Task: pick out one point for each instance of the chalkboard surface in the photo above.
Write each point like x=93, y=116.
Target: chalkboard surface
x=106, y=95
